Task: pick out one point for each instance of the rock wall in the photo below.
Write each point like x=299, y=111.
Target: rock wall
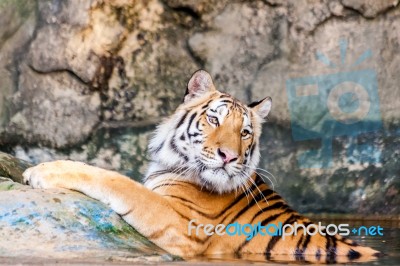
x=88, y=80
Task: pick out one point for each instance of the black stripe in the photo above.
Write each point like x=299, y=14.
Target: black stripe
x=328, y=244
x=299, y=255
x=157, y=173
x=271, y=218
x=224, y=211
x=302, y=243
x=253, y=104
x=175, y=149
x=253, y=202
x=206, y=105
x=330, y=249
x=308, y=238
x=299, y=242
x=190, y=122
x=264, y=222
x=275, y=197
x=276, y=205
x=193, y=135
x=198, y=125
x=126, y=213
x=185, y=201
x=175, y=183
x=353, y=255
x=318, y=254
x=258, y=181
x=156, y=150
x=252, y=149
x=182, y=120
x=182, y=215
x=275, y=239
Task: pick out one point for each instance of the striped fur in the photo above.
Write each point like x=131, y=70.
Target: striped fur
x=203, y=161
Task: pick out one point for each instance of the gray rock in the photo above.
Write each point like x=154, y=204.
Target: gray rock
x=308, y=17
x=206, y=10
x=20, y=18
x=370, y=8
x=69, y=31
x=11, y=167
x=353, y=184
x=56, y=100
x=137, y=63
x=123, y=149
x=62, y=224
x=269, y=46
x=118, y=63
x=242, y=39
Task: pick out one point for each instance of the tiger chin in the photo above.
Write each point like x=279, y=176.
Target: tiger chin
x=202, y=169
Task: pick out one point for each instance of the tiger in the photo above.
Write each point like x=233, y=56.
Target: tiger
x=202, y=171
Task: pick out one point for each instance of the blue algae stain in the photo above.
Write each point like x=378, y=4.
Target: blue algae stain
x=71, y=248
x=20, y=221
x=97, y=215
x=15, y=219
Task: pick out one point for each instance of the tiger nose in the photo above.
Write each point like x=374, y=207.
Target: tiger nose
x=226, y=155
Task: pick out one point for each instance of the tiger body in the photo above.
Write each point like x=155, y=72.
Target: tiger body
x=202, y=172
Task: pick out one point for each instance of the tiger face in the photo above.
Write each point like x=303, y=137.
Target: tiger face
x=211, y=140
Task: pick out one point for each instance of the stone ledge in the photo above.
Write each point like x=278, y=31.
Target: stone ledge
x=63, y=224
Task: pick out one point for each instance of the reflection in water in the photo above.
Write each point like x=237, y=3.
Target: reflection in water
x=388, y=244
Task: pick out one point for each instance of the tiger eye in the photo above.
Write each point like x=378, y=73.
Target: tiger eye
x=245, y=132
x=213, y=120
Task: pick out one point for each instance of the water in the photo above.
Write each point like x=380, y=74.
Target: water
x=389, y=244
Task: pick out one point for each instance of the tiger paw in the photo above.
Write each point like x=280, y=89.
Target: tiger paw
x=47, y=175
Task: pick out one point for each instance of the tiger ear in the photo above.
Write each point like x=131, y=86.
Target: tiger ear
x=262, y=107
x=199, y=84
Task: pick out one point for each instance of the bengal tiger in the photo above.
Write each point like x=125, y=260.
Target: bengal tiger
x=202, y=171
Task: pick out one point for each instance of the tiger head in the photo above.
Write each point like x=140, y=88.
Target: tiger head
x=212, y=139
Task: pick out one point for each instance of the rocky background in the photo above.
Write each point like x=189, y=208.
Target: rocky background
x=89, y=80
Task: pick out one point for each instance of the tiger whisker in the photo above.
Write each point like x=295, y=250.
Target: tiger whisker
x=263, y=175
x=245, y=189
x=178, y=173
x=252, y=181
x=261, y=169
x=251, y=193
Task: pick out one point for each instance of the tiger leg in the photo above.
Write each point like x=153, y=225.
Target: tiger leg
x=134, y=202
